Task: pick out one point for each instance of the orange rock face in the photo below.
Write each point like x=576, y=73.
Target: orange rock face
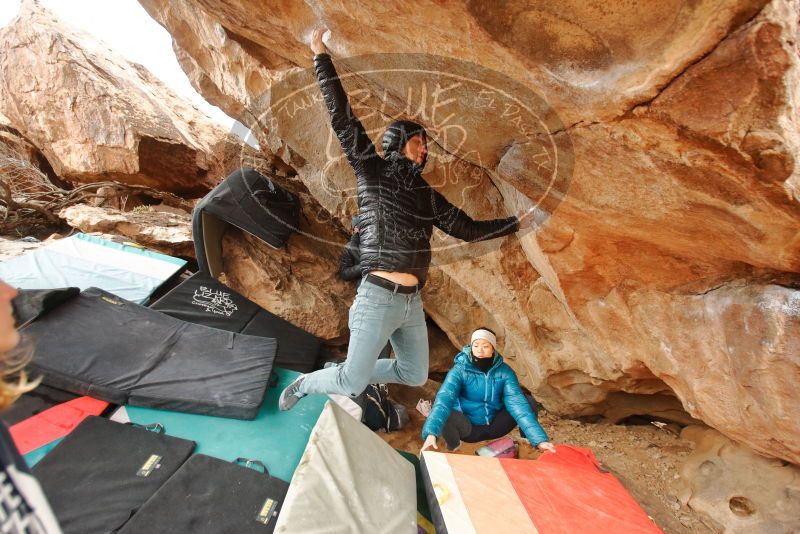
x=96, y=116
x=666, y=260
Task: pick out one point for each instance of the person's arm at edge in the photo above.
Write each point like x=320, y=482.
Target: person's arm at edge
x=349, y=268
x=443, y=404
x=455, y=222
x=519, y=408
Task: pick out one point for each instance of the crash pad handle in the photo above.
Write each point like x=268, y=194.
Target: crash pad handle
x=158, y=428
x=250, y=463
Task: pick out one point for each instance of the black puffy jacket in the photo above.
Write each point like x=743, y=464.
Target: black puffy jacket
x=396, y=206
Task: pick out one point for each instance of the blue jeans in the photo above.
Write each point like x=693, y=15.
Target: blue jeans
x=378, y=315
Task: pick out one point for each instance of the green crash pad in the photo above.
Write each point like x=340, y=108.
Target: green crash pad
x=276, y=438
x=423, y=512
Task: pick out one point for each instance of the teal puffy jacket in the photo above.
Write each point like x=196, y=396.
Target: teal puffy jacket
x=480, y=396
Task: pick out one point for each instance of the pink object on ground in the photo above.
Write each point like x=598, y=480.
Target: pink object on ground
x=500, y=448
x=424, y=407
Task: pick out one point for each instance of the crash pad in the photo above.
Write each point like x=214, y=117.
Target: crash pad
x=209, y=496
x=349, y=480
x=143, y=357
x=35, y=402
x=35, y=456
x=54, y=423
x=84, y=261
x=250, y=201
x=202, y=299
x=102, y=472
x=424, y=525
x=560, y=493
x=276, y=438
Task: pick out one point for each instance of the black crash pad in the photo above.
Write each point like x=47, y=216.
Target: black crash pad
x=100, y=345
x=30, y=304
x=209, y=496
x=103, y=471
x=249, y=201
x=204, y=300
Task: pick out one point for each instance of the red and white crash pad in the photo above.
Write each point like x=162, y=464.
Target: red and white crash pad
x=559, y=493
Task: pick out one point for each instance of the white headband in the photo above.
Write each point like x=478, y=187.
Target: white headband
x=485, y=335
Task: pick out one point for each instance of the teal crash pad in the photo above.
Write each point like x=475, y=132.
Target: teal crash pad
x=32, y=458
x=85, y=261
x=276, y=438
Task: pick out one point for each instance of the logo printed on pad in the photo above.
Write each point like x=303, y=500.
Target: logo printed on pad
x=112, y=301
x=441, y=492
x=149, y=466
x=214, y=301
x=267, y=511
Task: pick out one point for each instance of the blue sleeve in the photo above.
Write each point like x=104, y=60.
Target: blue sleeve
x=519, y=408
x=446, y=398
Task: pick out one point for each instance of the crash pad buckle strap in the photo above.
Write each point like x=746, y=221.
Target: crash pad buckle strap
x=248, y=463
x=158, y=428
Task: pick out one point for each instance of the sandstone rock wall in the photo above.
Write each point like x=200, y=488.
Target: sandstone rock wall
x=16, y=145
x=96, y=116
x=167, y=230
x=736, y=490
x=668, y=262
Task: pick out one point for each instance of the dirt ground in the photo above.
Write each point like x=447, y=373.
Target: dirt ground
x=644, y=457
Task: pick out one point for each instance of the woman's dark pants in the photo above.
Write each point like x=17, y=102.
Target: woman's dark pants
x=458, y=427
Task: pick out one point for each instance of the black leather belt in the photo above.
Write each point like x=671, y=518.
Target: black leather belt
x=391, y=286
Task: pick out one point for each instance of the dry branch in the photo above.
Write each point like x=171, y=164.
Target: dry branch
x=29, y=198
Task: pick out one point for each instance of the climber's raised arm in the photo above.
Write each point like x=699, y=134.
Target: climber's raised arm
x=357, y=146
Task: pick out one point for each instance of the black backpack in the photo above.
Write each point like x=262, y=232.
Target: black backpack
x=380, y=413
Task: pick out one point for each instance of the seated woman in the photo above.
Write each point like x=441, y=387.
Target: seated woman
x=480, y=399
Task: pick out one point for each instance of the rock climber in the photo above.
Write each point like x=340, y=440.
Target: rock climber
x=397, y=211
